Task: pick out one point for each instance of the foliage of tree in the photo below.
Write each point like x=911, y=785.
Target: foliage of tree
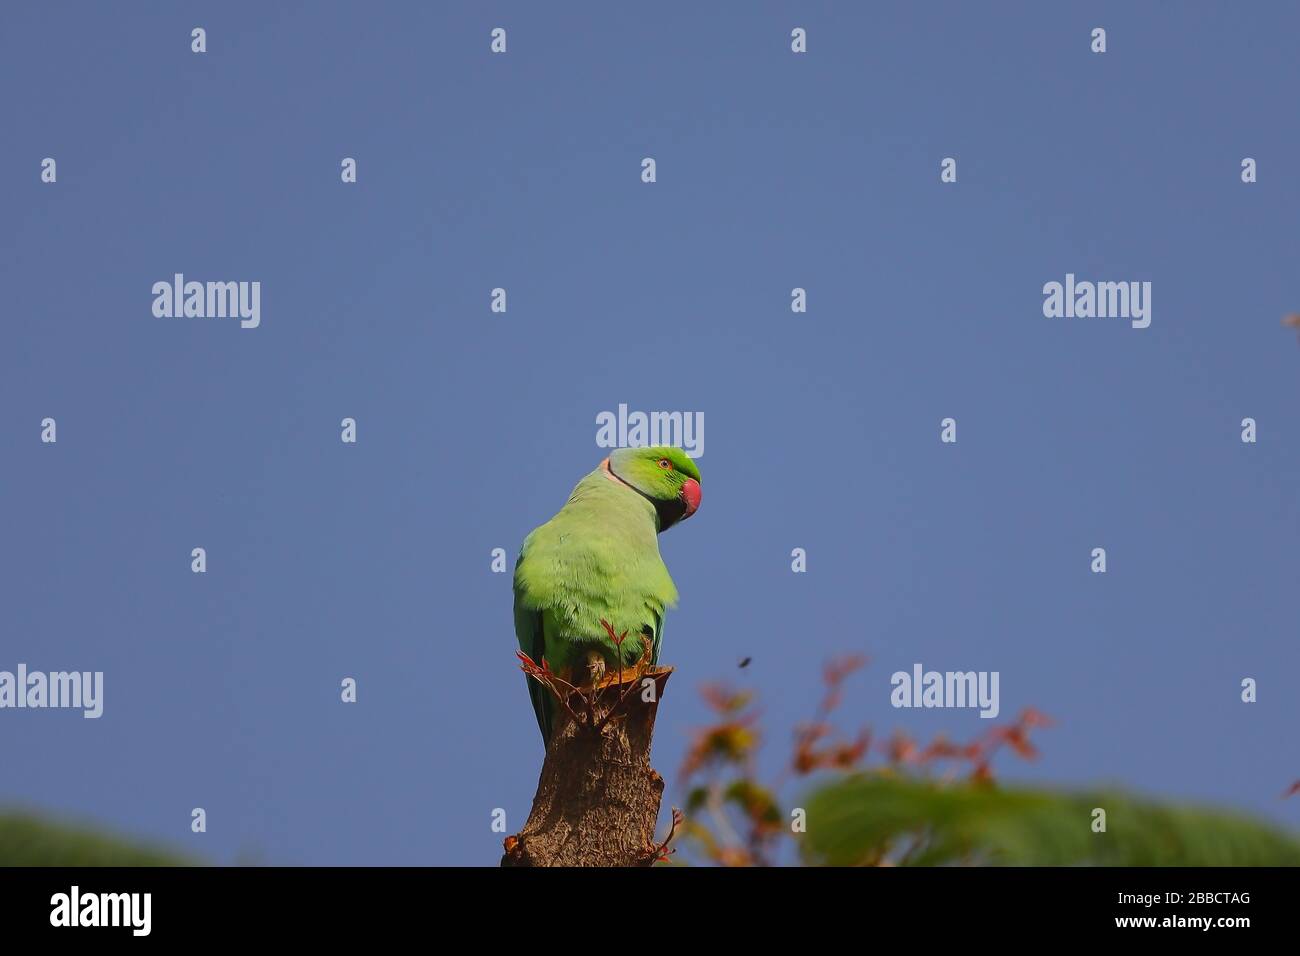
x=900, y=802
x=28, y=840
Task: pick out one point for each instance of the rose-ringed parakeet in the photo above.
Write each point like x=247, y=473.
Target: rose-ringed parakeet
x=598, y=560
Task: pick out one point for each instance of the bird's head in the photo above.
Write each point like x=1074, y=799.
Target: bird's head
x=662, y=474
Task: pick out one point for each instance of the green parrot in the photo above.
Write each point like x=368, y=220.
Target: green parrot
x=598, y=559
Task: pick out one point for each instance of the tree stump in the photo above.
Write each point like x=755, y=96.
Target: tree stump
x=597, y=800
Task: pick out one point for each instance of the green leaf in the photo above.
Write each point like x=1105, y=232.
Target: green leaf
x=27, y=840
x=756, y=802
x=860, y=817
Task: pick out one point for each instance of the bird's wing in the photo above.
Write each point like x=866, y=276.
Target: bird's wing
x=658, y=638
x=532, y=641
x=530, y=631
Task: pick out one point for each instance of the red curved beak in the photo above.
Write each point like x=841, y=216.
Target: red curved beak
x=691, y=494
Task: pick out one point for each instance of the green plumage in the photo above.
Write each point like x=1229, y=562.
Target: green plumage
x=598, y=559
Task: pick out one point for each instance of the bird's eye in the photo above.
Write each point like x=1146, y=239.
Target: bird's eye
x=665, y=463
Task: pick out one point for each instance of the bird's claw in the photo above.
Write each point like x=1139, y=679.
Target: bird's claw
x=595, y=668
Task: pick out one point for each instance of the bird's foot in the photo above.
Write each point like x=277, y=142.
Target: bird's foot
x=595, y=668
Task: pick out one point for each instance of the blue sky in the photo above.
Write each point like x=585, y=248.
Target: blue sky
x=522, y=171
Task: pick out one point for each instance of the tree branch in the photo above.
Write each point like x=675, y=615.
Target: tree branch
x=597, y=800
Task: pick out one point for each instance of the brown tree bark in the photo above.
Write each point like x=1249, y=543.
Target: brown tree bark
x=597, y=800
